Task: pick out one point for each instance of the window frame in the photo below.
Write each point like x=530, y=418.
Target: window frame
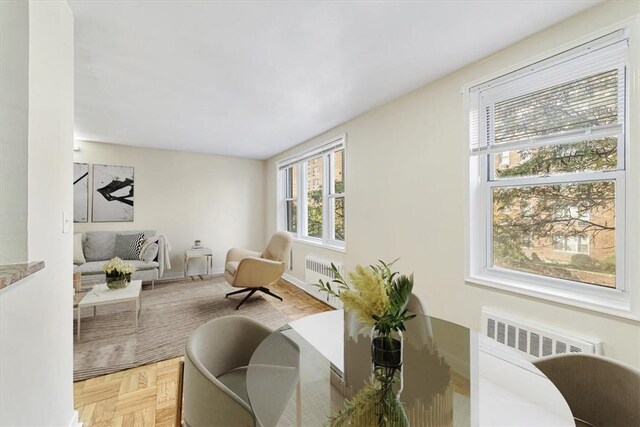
x=324, y=150
x=624, y=301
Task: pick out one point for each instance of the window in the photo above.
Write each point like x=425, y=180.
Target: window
x=552, y=222
x=312, y=195
x=290, y=179
x=504, y=159
x=575, y=244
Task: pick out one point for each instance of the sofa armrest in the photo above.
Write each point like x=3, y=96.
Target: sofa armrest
x=160, y=257
x=254, y=272
x=238, y=254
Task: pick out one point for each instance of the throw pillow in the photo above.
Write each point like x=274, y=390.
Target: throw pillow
x=150, y=252
x=78, y=253
x=128, y=246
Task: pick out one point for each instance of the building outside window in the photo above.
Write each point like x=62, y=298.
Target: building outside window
x=312, y=195
x=548, y=149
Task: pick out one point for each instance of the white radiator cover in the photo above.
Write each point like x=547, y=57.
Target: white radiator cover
x=317, y=269
x=534, y=340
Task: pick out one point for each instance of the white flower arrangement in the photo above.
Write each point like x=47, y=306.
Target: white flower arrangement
x=117, y=267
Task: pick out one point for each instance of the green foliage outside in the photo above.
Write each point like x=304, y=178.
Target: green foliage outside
x=315, y=212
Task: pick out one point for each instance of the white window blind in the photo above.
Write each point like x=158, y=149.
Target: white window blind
x=581, y=93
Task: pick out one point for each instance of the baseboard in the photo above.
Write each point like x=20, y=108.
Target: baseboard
x=302, y=285
x=180, y=275
x=75, y=422
x=295, y=281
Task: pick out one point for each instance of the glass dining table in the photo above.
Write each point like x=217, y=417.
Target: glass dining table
x=449, y=376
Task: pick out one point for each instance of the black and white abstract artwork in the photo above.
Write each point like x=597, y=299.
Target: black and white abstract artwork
x=112, y=193
x=80, y=192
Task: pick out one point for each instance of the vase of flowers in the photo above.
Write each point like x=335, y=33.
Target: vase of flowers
x=118, y=273
x=378, y=296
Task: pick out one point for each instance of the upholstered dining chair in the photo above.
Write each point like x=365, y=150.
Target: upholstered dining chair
x=217, y=356
x=254, y=271
x=600, y=391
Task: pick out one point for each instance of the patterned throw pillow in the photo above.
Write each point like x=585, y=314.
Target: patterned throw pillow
x=128, y=246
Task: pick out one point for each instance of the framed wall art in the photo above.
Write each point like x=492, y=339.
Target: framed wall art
x=112, y=193
x=80, y=192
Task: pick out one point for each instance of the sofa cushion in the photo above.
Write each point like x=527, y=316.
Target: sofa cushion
x=231, y=267
x=127, y=246
x=95, y=267
x=150, y=253
x=100, y=245
x=78, y=253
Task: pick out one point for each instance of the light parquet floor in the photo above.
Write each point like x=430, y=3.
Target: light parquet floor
x=148, y=395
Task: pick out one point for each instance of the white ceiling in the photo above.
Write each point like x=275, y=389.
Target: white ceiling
x=251, y=79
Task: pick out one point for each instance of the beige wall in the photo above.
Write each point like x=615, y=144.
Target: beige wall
x=405, y=183
x=14, y=124
x=187, y=196
x=36, y=347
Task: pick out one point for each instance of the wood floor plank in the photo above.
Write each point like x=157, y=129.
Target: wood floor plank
x=86, y=413
x=103, y=412
x=147, y=395
x=97, y=392
x=135, y=401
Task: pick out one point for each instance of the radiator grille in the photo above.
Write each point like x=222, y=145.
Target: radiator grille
x=317, y=269
x=532, y=339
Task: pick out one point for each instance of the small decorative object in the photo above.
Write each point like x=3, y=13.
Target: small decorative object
x=118, y=273
x=197, y=244
x=112, y=193
x=379, y=298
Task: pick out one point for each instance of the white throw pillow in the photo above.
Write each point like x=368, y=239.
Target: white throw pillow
x=78, y=253
x=150, y=253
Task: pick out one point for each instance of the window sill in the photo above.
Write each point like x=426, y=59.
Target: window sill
x=319, y=244
x=611, y=306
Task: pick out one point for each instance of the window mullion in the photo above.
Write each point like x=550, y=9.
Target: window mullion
x=557, y=179
x=326, y=215
x=558, y=139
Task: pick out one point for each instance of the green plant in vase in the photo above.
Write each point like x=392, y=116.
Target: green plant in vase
x=379, y=297
x=117, y=273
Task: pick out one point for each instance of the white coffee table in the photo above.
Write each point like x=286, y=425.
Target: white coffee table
x=102, y=295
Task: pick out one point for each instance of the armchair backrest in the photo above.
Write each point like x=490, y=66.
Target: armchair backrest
x=279, y=247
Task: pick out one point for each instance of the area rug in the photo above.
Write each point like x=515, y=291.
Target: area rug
x=169, y=313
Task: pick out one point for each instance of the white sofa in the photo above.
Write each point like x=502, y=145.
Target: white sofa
x=99, y=247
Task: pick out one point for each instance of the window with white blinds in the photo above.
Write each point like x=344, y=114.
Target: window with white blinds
x=311, y=199
x=550, y=139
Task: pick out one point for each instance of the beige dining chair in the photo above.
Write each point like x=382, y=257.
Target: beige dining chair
x=215, y=366
x=254, y=271
x=600, y=391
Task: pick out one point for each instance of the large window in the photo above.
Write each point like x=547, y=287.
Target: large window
x=547, y=177
x=312, y=195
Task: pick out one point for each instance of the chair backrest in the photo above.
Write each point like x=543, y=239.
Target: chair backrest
x=213, y=349
x=279, y=247
x=235, y=338
x=600, y=391
x=415, y=306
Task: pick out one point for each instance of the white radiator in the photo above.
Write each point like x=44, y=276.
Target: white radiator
x=534, y=341
x=317, y=269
